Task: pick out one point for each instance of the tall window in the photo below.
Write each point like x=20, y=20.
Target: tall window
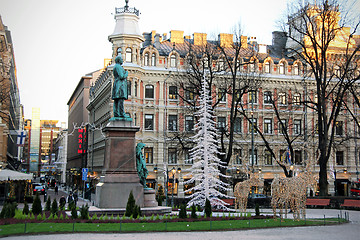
x=189, y=93
x=268, y=157
x=148, y=152
x=149, y=91
x=149, y=122
x=339, y=157
x=282, y=68
x=135, y=88
x=297, y=99
x=283, y=126
x=268, y=125
x=252, y=97
x=282, y=156
x=339, y=128
x=187, y=156
x=222, y=94
x=251, y=125
x=189, y=123
x=267, y=97
x=297, y=127
x=221, y=123
x=237, y=156
x=267, y=67
x=252, y=66
x=298, y=157
x=153, y=59
x=172, y=156
x=282, y=98
x=173, y=123
x=146, y=59
x=128, y=55
x=172, y=92
x=173, y=61
x=237, y=125
x=129, y=87
x=253, y=159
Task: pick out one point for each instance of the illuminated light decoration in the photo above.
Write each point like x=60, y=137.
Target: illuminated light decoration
x=242, y=190
x=291, y=193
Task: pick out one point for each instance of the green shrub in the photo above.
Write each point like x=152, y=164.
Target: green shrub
x=36, y=208
x=48, y=204
x=26, y=209
x=207, y=208
x=8, y=210
x=84, y=212
x=182, y=212
x=54, y=207
x=193, y=211
x=39, y=217
x=19, y=215
x=94, y=217
x=257, y=210
x=61, y=217
x=74, y=214
x=130, y=206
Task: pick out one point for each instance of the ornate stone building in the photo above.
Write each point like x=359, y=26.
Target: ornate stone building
x=155, y=62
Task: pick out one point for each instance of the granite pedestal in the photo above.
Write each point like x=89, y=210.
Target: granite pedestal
x=119, y=176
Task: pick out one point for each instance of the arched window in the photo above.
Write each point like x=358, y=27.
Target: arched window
x=149, y=91
x=146, y=59
x=153, y=59
x=173, y=61
x=128, y=55
x=282, y=68
x=267, y=67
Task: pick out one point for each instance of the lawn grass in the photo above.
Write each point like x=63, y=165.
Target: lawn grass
x=51, y=227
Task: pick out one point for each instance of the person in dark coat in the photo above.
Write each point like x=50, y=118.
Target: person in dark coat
x=56, y=190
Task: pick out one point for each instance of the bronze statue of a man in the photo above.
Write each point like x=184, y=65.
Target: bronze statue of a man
x=119, y=91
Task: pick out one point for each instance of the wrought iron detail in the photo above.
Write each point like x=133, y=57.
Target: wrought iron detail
x=127, y=9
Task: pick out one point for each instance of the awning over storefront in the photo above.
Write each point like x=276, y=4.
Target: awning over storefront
x=8, y=175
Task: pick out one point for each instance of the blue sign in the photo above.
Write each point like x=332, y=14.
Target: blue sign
x=84, y=174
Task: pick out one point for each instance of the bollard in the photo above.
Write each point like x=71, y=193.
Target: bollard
x=73, y=226
x=120, y=225
x=210, y=225
x=324, y=219
x=25, y=228
x=165, y=226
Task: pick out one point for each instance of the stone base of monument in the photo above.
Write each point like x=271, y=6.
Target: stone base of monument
x=115, y=195
x=149, y=198
x=148, y=211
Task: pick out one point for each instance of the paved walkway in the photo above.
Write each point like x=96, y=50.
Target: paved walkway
x=345, y=231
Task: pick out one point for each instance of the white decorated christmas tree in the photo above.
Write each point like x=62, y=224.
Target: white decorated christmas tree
x=205, y=171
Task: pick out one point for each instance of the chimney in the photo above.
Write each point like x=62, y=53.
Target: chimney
x=176, y=36
x=226, y=39
x=157, y=40
x=243, y=40
x=199, y=38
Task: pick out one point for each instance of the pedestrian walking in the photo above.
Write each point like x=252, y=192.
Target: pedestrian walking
x=56, y=190
x=75, y=197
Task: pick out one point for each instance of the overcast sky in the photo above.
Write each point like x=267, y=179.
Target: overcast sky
x=56, y=42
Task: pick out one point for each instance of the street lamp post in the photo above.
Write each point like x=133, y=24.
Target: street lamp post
x=173, y=171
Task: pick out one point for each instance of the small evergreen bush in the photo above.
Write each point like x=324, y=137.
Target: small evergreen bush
x=130, y=206
x=74, y=214
x=84, y=212
x=182, y=212
x=193, y=211
x=257, y=210
x=48, y=204
x=207, y=208
x=26, y=209
x=54, y=207
x=36, y=208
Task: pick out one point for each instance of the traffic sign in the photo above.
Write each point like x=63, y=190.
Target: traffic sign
x=84, y=174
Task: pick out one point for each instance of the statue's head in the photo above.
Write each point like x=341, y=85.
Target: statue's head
x=140, y=146
x=119, y=59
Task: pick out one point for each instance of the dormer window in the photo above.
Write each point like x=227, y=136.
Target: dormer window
x=173, y=61
x=267, y=67
x=282, y=68
x=153, y=59
x=146, y=59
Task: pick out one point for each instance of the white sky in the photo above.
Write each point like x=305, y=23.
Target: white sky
x=56, y=42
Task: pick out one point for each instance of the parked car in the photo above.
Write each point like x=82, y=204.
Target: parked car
x=257, y=198
x=40, y=190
